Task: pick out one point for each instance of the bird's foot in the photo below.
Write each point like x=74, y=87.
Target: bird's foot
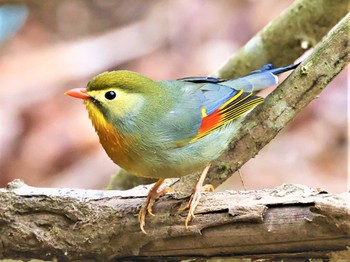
x=153, y=195
x=194, y=201
x=196, y=196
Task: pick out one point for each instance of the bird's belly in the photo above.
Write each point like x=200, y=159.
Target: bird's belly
x=142, y=159
x=170, y=162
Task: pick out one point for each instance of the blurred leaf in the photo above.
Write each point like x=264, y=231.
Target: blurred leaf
x=12, y=18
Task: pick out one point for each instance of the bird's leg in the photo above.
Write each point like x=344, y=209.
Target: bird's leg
x=153, y=195
x=196, y=196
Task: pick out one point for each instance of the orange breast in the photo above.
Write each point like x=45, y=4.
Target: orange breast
x=116, y=144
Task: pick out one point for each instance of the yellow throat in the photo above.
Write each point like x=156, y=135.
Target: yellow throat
x=113, y=141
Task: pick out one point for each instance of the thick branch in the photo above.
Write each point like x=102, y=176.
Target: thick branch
x=288, y=221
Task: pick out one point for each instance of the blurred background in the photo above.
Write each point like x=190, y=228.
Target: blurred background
x=48, y=47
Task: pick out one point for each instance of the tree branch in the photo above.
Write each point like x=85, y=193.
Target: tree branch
x=94, y=225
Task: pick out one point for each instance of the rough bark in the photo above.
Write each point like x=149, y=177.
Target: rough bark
x=91, y=225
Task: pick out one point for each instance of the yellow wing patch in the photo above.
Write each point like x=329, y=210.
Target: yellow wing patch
x=232, y=109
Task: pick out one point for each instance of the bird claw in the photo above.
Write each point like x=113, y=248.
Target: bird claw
x=154, y=194
x=142, y=217
x=146, y=208
x=196, y=196
x=194, y=201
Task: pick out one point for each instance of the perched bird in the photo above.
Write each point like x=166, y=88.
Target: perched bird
x=172, y=128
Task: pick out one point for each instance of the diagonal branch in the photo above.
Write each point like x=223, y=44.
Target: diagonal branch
x=304, y=85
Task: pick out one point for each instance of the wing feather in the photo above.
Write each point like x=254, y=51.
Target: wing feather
x=236, y=106
x=223, y=101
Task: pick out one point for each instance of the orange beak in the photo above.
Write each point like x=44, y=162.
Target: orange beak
x=78, y=93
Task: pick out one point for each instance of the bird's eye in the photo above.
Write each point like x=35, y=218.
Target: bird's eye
x=110, y=95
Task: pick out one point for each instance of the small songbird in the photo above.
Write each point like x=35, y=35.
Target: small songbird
x=172, y=128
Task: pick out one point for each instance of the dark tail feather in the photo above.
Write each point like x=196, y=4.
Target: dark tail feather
x=280, y=70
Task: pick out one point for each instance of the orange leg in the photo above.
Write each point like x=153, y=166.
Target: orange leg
x=153, y=195
x=196, y=196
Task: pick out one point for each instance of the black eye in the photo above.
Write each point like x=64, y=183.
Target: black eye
x=110, y=95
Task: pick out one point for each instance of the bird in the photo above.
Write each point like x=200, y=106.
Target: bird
x=170, y=128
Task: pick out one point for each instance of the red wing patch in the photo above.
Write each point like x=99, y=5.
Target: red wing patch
x=232, y=109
